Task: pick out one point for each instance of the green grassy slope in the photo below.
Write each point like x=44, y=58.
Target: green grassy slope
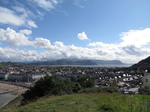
x=96, y=102
x=144, y=97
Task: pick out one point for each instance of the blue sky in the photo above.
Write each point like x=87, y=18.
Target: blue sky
x=39, y=30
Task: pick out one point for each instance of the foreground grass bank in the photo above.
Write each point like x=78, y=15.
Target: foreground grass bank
x=95, y=102
x=144, y=97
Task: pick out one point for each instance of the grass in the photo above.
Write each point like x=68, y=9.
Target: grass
x=145, y=97
x=95, y=102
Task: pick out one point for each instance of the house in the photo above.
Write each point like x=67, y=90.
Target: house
x=4, y=76
x=17, y=77
x=146, y=81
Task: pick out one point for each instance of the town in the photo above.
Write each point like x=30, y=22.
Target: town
x=126, y=79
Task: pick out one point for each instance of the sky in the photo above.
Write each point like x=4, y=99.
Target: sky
x=40, y=30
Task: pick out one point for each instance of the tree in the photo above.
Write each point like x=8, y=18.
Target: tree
x=76, y=87
x=49, y=85
x=86, y=81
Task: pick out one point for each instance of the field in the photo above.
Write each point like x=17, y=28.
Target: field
x=95, y=102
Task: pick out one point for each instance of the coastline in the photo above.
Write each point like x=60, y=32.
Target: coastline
x=9, y=92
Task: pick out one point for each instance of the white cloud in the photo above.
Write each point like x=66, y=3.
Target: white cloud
x=126, y=52
x=82, y=36
x=9, y=17
x=46, y=4
x=133, y=47
x=102, y=45
x=23, y=11
x=13, y=18
x=59, y=44
x=41, y=42
x=19, y=14
x=26, y=32
x=56, y=2
x=78, y=3
x=21, y=38
x=16, y=55
x=31, y=24
x=13, y=38
x=136, y=38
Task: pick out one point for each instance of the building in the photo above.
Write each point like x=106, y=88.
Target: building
x=146, y=81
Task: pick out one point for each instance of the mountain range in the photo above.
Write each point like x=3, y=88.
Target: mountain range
x=143, y=64
x=78, y=62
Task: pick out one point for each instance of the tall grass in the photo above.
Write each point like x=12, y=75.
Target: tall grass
x=95, y=102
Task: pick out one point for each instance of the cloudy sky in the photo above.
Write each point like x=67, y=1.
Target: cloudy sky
x=35, y=30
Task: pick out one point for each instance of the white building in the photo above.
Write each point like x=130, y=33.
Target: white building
x=146, y=81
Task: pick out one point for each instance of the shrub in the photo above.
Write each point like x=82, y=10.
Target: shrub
x=49, y=85
x=110, y=89
x=76, y=87
x=86, y=81
x=107, y=108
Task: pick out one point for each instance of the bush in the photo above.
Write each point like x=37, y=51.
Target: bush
x=76, y=87
x=86, y=82
x=110, y=89
x=107, y=107
x=49, y=85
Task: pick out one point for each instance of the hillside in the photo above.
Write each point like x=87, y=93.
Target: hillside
x=96, y=102
x=78, y=62
x=143, y=64
x=108, y=62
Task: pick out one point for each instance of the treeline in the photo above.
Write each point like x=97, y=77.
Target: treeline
x=53, y=85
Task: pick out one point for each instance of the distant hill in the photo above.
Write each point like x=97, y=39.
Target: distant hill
x=10, y=64
x=143, y=64
x=65, y=62
x=108, y=62
x=78, y=62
